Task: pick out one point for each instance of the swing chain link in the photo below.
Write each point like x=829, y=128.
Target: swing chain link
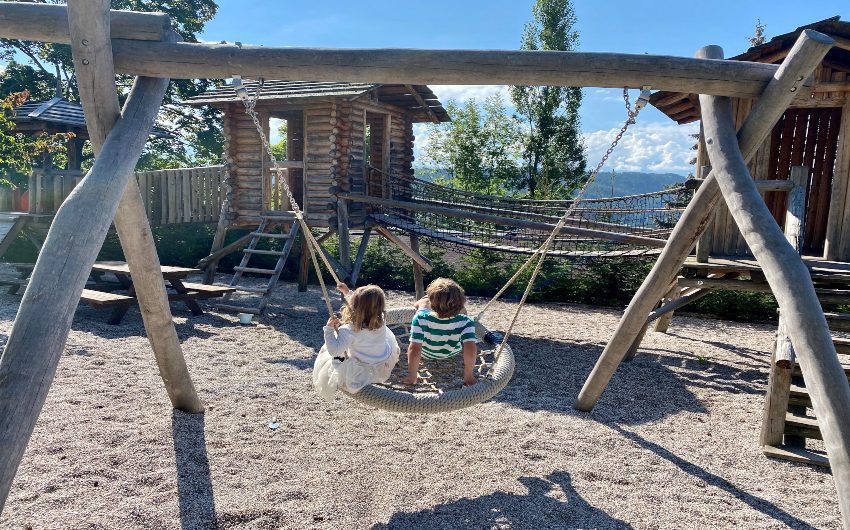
x=641, y=102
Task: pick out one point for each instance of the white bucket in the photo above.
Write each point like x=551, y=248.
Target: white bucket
x=245, y=318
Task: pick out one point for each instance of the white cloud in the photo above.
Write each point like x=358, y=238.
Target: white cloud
x=652, y=147
x=465, y=92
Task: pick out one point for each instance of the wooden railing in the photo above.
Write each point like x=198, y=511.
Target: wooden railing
x=185, y=195
x=170, y=196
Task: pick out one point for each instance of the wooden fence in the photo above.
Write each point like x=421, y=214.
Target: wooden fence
x=171, y=196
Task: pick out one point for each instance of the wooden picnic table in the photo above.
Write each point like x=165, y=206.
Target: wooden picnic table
x=188, y=293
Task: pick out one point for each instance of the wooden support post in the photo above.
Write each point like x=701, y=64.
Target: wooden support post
x=782, y=361
x=44, y=317
x=92, y=52
x=361, y=254
x=663, y=322
x=210, y=266
x=837, y=242
x=304, y=265
x=792, y=286
x=418, y=277
x=344, y=234
x=804, y=57
x=705, y=241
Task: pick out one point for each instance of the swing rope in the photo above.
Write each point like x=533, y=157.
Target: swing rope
x=543, y=250
x=503, y=365
x=313, y=246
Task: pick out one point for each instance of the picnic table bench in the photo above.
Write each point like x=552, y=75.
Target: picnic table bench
x=186, y=292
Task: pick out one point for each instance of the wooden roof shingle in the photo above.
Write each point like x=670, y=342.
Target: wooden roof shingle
x=684, y=108
x=419, y=99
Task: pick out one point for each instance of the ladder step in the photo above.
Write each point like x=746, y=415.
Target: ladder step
x=263, y=252
x=238, y=309
x=802, y=426
x=795, y=454
x=270, y=235
x=260, y=290
x=255, y=271
x=799, y=396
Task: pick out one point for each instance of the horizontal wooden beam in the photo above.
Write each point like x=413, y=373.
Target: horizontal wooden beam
x=762, y=185
x=135, y=54
x=49, y=23
x=831, y=86
x=502, y=67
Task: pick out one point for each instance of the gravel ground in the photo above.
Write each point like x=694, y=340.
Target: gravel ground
x=671, y=444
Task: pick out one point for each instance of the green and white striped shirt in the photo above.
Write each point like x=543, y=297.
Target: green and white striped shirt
x=441, y=338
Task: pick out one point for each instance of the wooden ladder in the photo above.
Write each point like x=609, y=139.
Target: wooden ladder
x=786, y=425
x=273, y=274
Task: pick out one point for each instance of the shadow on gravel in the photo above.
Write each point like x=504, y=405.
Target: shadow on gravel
x=194, y=486
x=542, y=507
x=550, y=374
x=756, y=503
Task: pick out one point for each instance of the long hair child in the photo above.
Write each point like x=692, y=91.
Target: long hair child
x=359, y=349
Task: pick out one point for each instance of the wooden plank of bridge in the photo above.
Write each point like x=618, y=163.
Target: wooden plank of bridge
x=804, y=57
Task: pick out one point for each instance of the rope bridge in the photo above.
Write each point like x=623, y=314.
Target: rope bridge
x=629, y=226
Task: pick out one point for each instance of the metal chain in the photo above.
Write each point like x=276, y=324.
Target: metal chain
x=543, y=249
x=312, y=245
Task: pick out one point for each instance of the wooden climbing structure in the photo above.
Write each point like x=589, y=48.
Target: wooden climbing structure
x=105, y=43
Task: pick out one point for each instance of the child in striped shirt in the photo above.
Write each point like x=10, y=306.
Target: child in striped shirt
x=440, y=330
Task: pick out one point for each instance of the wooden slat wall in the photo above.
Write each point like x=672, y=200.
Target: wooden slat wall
x=806, y=135
x=185, y=195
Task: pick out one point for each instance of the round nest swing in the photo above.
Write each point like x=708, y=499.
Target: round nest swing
x=440, y=387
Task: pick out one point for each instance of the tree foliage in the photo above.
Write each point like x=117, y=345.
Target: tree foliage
x=480, y=146
x=554, y=161
x=49, y=71
x=18, y=152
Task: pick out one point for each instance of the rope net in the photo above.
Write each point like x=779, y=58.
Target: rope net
x=615, y=227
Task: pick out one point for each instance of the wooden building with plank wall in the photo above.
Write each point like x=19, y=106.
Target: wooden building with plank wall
x=814, y=132
x=340, y=138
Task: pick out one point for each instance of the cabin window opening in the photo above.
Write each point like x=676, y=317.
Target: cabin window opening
x=285, y=132
x=376, y=154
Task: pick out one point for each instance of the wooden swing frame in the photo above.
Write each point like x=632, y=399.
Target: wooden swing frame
x=107, y=42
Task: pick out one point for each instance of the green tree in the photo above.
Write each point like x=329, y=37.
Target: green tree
x=18, y=152
x=553, y=152
x=51, y=65
x=279, y=147
x=479, y=147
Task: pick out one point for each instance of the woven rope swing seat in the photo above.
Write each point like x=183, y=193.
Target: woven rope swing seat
x=440, y=387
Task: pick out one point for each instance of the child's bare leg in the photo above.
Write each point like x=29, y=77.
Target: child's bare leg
x=470, y=352
x=414, y=357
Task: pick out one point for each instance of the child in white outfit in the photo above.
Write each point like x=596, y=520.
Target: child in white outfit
x=359, y=350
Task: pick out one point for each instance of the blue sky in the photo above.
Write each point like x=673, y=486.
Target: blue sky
x=668, y=28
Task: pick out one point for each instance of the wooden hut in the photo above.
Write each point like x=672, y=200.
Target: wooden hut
x=341, y=138
x=810, y=147
x=814, y=133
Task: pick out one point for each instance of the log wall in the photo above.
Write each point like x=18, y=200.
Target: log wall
x=328, y=136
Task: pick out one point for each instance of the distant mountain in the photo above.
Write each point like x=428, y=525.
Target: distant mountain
x=631, y=183
x=625, y=183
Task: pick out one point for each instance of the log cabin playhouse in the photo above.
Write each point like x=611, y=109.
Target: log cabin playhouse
x=803, y=170
x=340, y=138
